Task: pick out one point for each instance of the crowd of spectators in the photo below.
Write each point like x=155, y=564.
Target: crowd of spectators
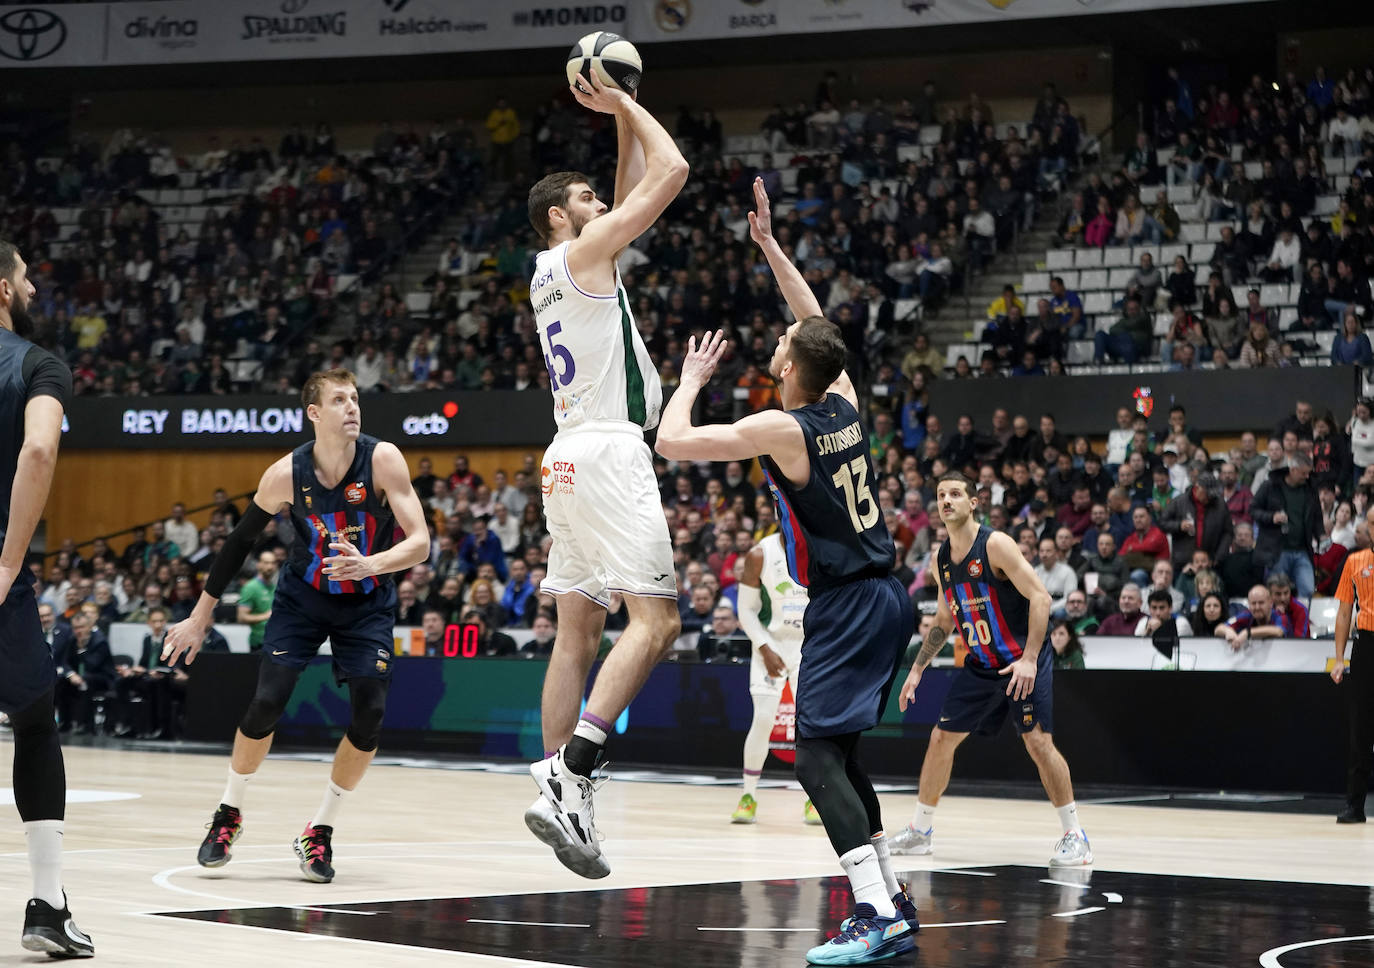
x=140, y=307
x=1290, y=134
x=1135, y=532
x=141, y=298
x=1139, y=531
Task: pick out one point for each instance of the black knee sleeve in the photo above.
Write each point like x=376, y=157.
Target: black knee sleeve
x=275, y=683
x=822, y=772
x=40, y=777
x=368, y=699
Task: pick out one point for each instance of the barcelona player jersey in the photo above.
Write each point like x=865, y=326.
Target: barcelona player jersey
x=832, y=527
x=353, y=510
x=992, y=615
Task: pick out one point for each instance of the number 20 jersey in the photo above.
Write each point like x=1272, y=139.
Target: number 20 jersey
x=833, y=529
x=992, y=615
x=598, y=366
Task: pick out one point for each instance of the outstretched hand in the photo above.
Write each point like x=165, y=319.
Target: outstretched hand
x=596, y=96
x=700, y=361
x=760, y=221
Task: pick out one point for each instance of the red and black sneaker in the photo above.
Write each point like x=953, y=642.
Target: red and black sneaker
x=315, y=852
x=225, y=828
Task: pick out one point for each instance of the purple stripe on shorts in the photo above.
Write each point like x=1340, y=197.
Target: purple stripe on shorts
x=598, y=722
x=753, y=773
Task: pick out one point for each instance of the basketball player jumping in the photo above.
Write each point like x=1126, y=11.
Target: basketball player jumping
x=771, y=606
x=1002, y=610
x=858, y=619
x=342, y=489
x=600, y=496
x=34, y=387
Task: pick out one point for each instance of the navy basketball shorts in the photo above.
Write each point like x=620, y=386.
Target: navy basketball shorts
x=854, y=638
x=977, y=701
x=358, y=625
x=26, y=664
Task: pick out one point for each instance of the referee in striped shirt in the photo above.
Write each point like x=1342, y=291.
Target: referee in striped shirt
x=1356, y=595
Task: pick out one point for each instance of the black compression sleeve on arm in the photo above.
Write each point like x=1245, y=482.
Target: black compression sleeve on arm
x=236, y=547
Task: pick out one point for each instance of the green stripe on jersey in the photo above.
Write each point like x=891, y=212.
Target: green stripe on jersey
x=766, y=607
x=634, y=379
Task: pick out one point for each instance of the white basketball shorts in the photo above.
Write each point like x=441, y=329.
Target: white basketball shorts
x=603, y=510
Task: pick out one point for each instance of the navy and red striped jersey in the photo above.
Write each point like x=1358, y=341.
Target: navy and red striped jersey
x=992, y=615
x=833, y=529
x=354, y=509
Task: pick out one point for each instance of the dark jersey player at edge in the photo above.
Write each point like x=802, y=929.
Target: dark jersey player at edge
x=34, y=388
x=858, y=619
x=343, y=489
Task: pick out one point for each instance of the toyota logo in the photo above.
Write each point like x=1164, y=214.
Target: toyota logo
x=29, y=34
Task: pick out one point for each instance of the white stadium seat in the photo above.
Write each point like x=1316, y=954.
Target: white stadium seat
x=1087, y=258
x=1097, y=302
x=1059, y=259
x=1121, y=278
x=1092, y=279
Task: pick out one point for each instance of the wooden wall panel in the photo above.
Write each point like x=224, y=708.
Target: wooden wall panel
x=96, y=492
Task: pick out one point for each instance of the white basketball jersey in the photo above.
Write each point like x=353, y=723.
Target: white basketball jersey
x=598, y=365
x=786, y=599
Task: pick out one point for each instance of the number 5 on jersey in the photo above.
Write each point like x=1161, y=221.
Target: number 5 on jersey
x=852, y=479
x=557, y=351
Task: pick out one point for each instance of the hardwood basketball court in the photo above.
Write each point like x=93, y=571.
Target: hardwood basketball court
x=435, y=866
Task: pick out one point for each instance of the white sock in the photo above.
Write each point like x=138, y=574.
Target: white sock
x=866, y=878
x=1068, y=817
x=879, y=842
x=924, y=819
x=235, y=789
x=590, y=731
x=329, y=806
x=756, y=744
x=45, y=860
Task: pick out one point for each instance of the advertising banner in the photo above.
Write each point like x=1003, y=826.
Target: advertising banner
x=207, y=31
x=507, y=418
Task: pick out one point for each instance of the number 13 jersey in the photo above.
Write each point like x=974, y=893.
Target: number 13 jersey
x=598, y=366
x=832, y=528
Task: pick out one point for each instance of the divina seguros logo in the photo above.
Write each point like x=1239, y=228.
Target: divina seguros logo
x=30, y=34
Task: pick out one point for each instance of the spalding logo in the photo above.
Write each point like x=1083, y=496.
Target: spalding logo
x=355, y=493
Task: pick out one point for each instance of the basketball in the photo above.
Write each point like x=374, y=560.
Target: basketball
x=615, y=60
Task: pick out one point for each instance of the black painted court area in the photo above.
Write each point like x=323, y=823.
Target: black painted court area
x=1113, y=919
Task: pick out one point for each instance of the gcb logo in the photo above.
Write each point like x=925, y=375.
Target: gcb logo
x=29, y=34
x=432, y=425
x=355, y=493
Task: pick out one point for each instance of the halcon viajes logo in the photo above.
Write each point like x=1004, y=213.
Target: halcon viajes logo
x=29, y=34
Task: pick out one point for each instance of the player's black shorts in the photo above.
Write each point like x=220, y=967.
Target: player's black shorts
x=854, y=638
x=26, y=665
x=358, y=626
x=977, y=701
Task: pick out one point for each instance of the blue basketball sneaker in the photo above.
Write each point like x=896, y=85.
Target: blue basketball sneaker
x=864, y=939
x=905, y=906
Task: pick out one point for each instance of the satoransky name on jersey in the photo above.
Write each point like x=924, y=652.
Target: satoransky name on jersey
x=843, y=439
